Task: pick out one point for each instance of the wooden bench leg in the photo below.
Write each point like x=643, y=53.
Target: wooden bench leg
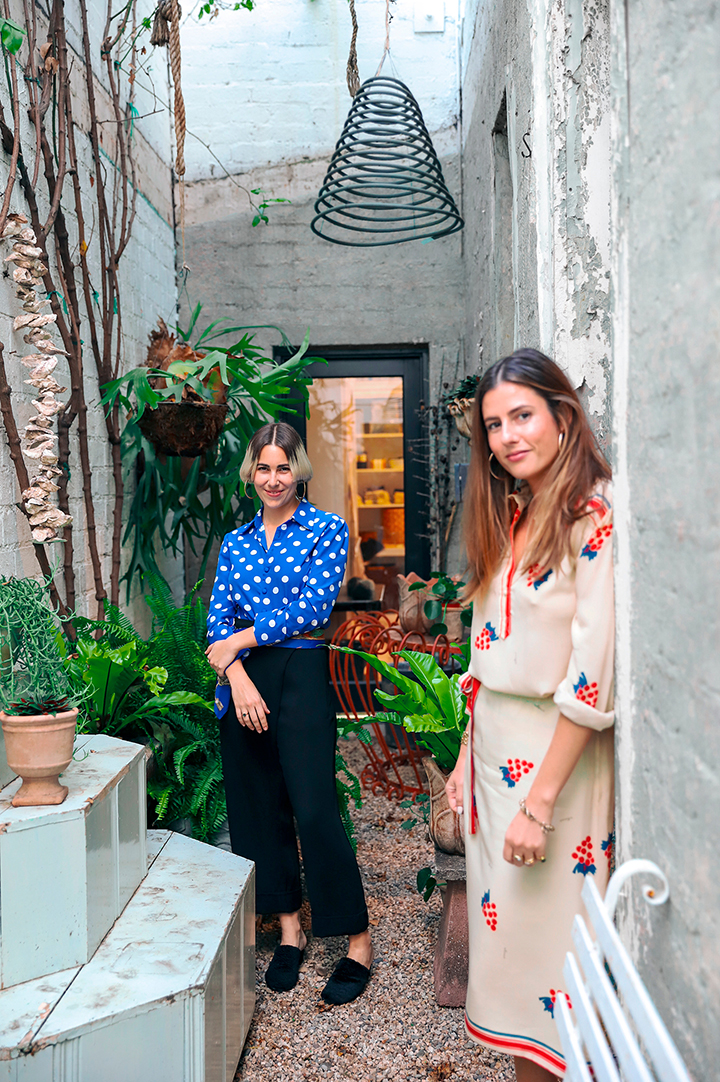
x=451, y=953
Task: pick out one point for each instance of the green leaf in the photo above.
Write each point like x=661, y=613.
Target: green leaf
x=12, y=35
x=438, y=629
x=433, y=610
x=466, y=617
x=417, y=586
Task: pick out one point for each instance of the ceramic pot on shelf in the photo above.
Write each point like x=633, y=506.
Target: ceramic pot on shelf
x=38, y=748
x=445, y=826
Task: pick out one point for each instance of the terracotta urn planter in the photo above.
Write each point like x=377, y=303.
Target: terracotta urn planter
x=410, y=609
x=38, y=748
x=446, y=828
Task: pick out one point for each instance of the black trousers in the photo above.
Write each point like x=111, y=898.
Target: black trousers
x=287, y=771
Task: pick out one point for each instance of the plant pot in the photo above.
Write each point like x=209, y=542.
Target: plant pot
x=183, y=428
x=410, y=608
x=461, y=410
x=446, y=827
x=453, y=623
x=38, y=748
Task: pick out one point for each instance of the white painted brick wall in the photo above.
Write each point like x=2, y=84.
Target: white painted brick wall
x=269, y=86
x=148, y=290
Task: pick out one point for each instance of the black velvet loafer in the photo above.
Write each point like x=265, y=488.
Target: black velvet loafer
x=347, y=982
x=282, y=973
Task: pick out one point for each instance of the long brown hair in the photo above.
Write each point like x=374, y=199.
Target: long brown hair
x=562, y=500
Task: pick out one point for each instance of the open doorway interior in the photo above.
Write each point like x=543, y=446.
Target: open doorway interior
x=355, y=440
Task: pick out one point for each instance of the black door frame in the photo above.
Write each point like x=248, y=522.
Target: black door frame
x=410, y=362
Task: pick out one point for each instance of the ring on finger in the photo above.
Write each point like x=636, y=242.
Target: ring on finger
x=527, y=863
x=517, y=858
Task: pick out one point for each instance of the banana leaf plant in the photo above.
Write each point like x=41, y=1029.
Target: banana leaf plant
x=201, y=499
x=429, y=703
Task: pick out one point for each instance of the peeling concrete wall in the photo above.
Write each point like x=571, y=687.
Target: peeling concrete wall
x=545, y=68
x=148, y=289
x=666, y=307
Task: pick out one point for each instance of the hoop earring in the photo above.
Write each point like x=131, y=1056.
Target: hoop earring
x=249, y=495
x=304, y=485
x=492, y=456
x=561, y=440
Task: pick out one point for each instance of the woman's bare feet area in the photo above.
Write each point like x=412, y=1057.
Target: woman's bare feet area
x=291, y=929
x=360, y=949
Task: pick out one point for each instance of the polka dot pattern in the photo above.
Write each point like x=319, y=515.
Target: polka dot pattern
x=286, y=590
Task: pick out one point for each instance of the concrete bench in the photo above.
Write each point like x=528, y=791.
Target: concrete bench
x=613, y=1017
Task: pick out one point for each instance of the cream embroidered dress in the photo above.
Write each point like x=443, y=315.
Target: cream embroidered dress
x=542, y=644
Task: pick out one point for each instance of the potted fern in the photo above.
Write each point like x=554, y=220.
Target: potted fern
x=39, y=706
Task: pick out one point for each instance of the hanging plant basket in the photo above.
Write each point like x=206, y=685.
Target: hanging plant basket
x=183, y=428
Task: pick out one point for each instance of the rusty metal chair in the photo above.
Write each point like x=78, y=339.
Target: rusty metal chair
x=394, y=771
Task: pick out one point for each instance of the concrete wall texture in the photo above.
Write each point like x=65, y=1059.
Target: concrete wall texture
x=666, y=308
x=148, y=290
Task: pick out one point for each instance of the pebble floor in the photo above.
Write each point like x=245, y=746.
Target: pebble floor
x=395, y=1030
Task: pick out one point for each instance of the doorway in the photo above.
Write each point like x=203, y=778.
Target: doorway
x=365, y=439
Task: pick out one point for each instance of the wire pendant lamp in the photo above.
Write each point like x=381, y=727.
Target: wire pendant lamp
x=385, y=184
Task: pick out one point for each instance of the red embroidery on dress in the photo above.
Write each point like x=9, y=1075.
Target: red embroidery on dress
x=514, y=771
x=586, y=693
x=608, y=847
x=548, y=1002
x=489, y=911
x=535, y=577
x=597, y=541
x=584, y=857
x=486, y=636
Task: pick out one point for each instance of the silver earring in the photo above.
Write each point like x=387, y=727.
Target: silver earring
x=303, y=491
x=561, y=440
x=248, y=494
x=492, y=456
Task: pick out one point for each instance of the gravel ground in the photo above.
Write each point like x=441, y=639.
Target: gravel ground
x=395, y=1030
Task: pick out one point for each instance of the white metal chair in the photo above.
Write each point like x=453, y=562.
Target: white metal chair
x=610, y=1018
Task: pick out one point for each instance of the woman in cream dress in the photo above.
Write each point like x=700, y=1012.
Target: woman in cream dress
x=538, y=787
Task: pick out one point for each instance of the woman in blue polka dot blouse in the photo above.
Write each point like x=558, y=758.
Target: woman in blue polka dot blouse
x=277, y=580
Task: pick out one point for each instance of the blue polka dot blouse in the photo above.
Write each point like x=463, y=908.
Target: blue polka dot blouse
x=287, y=590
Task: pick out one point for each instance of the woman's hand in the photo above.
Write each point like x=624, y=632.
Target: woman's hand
x=525, y=841
x=454, y=784
x=250, y=706
x=222, y=653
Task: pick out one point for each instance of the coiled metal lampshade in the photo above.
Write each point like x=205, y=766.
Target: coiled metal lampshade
x=385, y=184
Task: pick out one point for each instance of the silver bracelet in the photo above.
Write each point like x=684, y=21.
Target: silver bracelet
x=545, y=827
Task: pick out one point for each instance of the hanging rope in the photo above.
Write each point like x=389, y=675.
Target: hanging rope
x=353, y=75
x=386, y=50
x=179, y=107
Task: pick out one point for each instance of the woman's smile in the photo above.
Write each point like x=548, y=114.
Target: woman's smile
x=521, y=431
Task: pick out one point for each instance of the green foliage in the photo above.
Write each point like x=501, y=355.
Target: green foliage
x=420, y=802
x=263, y=205
x=427, y=882
x=465, y=389
x=11, y=35
x=447, y=591
x=158, y=691
x=428, y=704
x=33, y=678
x=214, y=7
x=346, y=791
x=203, y=504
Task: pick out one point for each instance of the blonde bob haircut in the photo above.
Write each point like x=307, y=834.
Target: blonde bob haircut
x=286, y=438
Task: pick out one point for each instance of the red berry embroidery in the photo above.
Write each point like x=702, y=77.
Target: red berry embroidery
x=534, y=576
x=597, y=541
x=549, y=1001
x=608, y=847
x=514, y=770
x=584, y=857
x=486, y=636
x=489, y=911
x=586, y=693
